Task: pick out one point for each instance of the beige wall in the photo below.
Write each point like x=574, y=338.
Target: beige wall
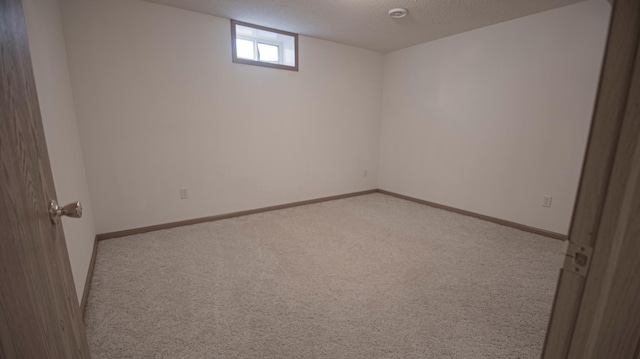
x=488, y=121
x=493, y=119
x=51, y=72
x=161, y=106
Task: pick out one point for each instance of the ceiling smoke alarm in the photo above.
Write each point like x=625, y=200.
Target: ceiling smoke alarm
x=398, y=13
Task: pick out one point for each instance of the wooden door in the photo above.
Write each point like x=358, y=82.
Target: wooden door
x=597, y=307
x=39, y=312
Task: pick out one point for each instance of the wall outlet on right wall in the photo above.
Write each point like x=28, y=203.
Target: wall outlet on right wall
x=184, y=193
x=546, y=202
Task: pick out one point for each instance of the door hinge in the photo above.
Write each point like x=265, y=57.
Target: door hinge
x=578, y=259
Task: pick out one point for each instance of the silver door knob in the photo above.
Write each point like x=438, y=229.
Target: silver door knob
x=73, y=209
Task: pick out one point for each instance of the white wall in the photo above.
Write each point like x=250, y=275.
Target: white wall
x=161, y=106
x=488, y=121
x=493, y=119
x=48, y=54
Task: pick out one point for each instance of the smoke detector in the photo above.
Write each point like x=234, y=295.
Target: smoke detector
x=398, y=13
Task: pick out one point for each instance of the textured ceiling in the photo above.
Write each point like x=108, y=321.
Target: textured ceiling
x=365, y=23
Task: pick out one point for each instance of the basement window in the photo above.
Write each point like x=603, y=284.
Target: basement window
x=263, y=46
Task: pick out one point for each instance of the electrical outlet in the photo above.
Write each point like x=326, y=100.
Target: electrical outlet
x=365, y=173
x=184, y=193
x=546, y=202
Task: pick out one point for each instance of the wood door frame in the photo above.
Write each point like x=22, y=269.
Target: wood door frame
x=600, y=209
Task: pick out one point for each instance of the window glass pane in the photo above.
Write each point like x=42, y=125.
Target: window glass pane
x=244, y=31
x=268, y=53
x=267, y=35
x=244, y=49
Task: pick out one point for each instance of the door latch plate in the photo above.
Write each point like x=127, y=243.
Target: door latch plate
x=578, y=259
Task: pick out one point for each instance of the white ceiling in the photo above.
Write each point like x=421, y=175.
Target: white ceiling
x=365, y=23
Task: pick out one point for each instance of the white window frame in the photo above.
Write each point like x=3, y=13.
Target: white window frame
x=256, y=51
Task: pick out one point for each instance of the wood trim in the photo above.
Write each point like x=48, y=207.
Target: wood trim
x=564, y=310
x=157, y=227
x=237, y=60
x=187, y=222
x=87, y=282
x=611, y=101
x=503, y=222
x=609, y=314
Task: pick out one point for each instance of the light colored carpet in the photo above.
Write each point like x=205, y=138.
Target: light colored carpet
x=365, y=277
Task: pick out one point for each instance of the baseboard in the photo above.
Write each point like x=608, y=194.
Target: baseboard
x=187, y=222
x=522, y=227
x=87, y=282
